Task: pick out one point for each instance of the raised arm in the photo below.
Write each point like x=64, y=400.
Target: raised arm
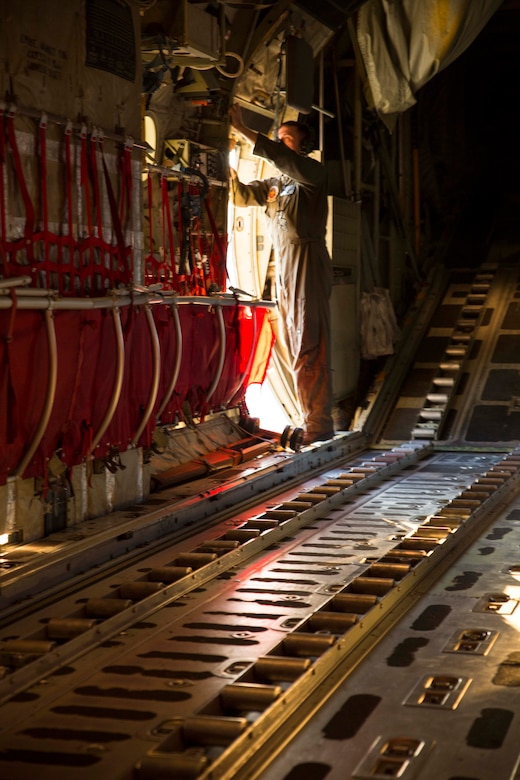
x=252, y=194
x=235, y=113
x=302, y=169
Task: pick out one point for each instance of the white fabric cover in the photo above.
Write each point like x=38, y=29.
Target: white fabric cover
x=379, y=329
x=404, y=43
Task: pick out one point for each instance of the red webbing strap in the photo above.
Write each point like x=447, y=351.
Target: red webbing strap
x=84, y=177
x=194, y=275
x=221, y=274
x=179, y=205
x=76, y=265
x=44, y=198
x=95, y=182
x=28, y=205
x=123, y=265
x=150, y=211
x=126, y=183
x=69, y=266
x=3, y=236
x=181, y=276
x=149, y=259
x=89, y=241
x=198, y=270
x=210, y=278
x=167, y=218
x=164, y=219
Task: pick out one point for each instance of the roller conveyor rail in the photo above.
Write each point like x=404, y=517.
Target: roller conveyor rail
x=201, y=660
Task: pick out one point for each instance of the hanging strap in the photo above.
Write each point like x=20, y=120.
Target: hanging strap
x=69, y=241
x=125, y=201
x=149, y=261
x=182, y=265
x=84, y=177
x=44, y=197
x=3, y=235
x=28, y=205
x=220, y=274
x=198, y=271
x=150, y=211
x=123, y=262
x=167, y=219
x=95, y=182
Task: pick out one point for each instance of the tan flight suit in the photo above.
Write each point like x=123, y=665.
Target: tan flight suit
x=296, y=207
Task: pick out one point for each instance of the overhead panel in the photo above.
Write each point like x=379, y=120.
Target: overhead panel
x=180, y=30
x=332, y=13
x=267, y=91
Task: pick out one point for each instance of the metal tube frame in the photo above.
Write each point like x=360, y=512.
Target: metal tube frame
x=118, y=381
x=222, y=354
x=178, y=358
x=49, y=396
x=156, y=362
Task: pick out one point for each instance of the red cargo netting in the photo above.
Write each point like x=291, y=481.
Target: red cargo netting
x=87, y=254
x=218, y=351
x=186, y=252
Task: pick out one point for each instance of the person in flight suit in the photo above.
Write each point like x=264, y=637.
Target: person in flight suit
x=296, y=207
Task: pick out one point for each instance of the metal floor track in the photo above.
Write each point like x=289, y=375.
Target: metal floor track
x=460, y=371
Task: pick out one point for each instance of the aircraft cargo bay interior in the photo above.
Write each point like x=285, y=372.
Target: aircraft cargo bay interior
x=192, y=586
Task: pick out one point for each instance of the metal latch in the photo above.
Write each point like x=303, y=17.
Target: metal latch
x=440, y=691
x=497, y=603
x=393, y=757
x=477, y=641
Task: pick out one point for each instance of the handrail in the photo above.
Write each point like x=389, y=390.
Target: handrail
x=48, y=299
x=14, y=281
x=225, y=300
